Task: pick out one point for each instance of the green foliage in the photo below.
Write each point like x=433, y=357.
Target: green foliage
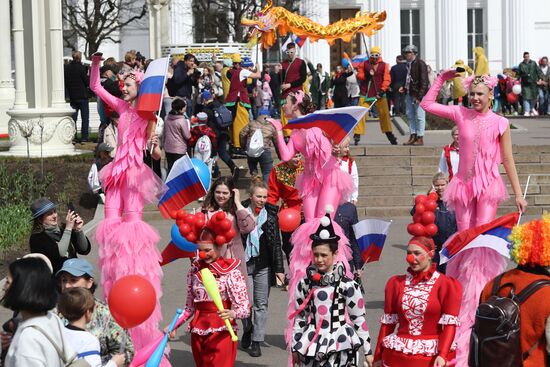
x=14, y=225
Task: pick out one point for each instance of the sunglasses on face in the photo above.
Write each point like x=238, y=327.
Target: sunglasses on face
x=375, y=55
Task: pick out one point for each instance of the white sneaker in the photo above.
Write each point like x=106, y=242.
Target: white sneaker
x=534, y=113
x=515, y=113
x=526, y=114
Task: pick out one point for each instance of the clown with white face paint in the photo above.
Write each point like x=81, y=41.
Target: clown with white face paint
x=477, y=187
x=127, y=245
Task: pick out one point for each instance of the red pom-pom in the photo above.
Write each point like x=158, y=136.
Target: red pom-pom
x=316, y=277
x=419, y=208
x=433, y=196
x=417, y=218
x=428, y=218
x=220, y=240
x=431, y=205
x=225, y=225
x=431, y=229
x=202, y=255
x=230, y=234
x=185, y=229
x=420, y=199
x=191, y=237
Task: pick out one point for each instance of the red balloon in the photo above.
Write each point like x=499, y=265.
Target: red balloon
x=132, y=300
x=430, y=205
x=181, y=214
x=417, y=218
x=180, y=222
x=431, y=229
x=428, y=218
x=219, y=216
x=420, y=199
x=199, y=224
x=174, y=214
x=220, y=240
x=289, y=219
x=190, y=219
x=224, y=225
x=185, y=229
x=433, y=196
x=417, y=229
x=410, y=228
x=419, y=208
x=230, y=234
x=191, y=237
x=512, y=97
x=200, y=215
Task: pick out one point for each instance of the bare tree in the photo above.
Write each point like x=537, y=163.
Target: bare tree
x=96, y=21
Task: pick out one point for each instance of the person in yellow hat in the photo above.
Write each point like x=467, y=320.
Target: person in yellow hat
x=374, y=81
x=458, y=88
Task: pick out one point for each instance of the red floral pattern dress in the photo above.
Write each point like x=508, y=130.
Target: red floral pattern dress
x=425, y=308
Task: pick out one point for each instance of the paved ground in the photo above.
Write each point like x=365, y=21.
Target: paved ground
x=392, y=262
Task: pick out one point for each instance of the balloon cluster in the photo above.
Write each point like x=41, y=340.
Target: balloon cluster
x=190, y=226
x=424, y=216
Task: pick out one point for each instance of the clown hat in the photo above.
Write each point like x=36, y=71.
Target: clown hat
x=325, y=231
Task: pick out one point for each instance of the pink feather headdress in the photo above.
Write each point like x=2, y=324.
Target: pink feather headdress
x=487, y=80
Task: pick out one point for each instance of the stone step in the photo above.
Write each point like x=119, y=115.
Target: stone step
x=426, y=181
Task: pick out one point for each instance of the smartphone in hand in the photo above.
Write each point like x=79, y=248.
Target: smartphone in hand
x=70, y=206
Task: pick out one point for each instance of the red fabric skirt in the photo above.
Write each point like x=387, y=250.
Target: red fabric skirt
x=392, y=358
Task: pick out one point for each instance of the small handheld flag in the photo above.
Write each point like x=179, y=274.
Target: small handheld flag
x=184, y=186
x=371, y=235
x=152, y=88
x=336, y=122
x=492, y=235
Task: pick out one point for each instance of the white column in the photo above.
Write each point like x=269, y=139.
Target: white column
x=40, y=88
x=515, y=38
x=182, y=22
x=20, y=62
x=56, y=55
x=318, y=52
x=152, y=28
x=7, y=92
x=429, y=21
x=494, y=36
x=389, y=37
x=453, y=32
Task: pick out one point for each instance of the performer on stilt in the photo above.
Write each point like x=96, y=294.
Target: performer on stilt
x=128, y=245
x=477, y=188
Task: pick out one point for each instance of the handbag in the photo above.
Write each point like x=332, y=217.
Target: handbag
x=68, y=362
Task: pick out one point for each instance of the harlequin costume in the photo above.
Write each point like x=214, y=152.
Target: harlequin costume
x=424, y=306
x=237, y=99
x=128, y=245
x=324, y=302
x=474, y=193
x=374, y=83
x=210, y=341
x=294, y=72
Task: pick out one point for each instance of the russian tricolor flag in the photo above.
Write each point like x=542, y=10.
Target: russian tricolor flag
x=152, y=88
x=371, y=235
x=336, y=122
x=492, y=235
x=300, y=41
x=184, y=187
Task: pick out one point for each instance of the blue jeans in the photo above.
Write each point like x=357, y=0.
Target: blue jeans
x=544, y=105
x=266, y=164
x=416, y=116
x=528, y=105
x=82, y=106
x=258, y=282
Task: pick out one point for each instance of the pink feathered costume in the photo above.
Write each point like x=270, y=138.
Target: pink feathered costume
x=474, y=193
x=127, y=245
x=321, y=183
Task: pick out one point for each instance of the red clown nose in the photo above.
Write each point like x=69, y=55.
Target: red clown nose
x=202, y=255
x=410, y=258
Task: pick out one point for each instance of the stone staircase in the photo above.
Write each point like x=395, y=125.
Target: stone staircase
x=390, y=177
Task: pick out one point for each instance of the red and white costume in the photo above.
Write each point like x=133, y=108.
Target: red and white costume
x=210, y=340
x=425, y=307
x=448, y=163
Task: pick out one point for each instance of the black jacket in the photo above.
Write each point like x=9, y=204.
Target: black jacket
x=76, y=81
x=398, y=75
x=275, y=83
x=419, y=83
x=270, y=241
x=346, y=217
x=44, y=244
x=183, y=83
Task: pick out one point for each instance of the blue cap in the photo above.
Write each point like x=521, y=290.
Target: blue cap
x=77, y=267
x=263, y=111
x=206, y=95
x=247, y=62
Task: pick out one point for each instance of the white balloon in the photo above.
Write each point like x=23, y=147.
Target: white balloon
x=516, y=89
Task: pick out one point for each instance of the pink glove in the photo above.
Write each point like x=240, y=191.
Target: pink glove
x=449, y=74
x=276, y=124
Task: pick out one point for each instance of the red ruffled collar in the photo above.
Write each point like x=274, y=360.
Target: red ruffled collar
x=418, y=277
x=219, y=267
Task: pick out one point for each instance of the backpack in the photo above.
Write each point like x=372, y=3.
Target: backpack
x=496, y=339
x=74, y=361
x=223, y=117
x=203, y=146
x=255, y=146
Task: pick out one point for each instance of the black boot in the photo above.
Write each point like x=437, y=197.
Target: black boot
x=391, y=138
x=246, y=339
x=356, y=139
x=255, y=350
